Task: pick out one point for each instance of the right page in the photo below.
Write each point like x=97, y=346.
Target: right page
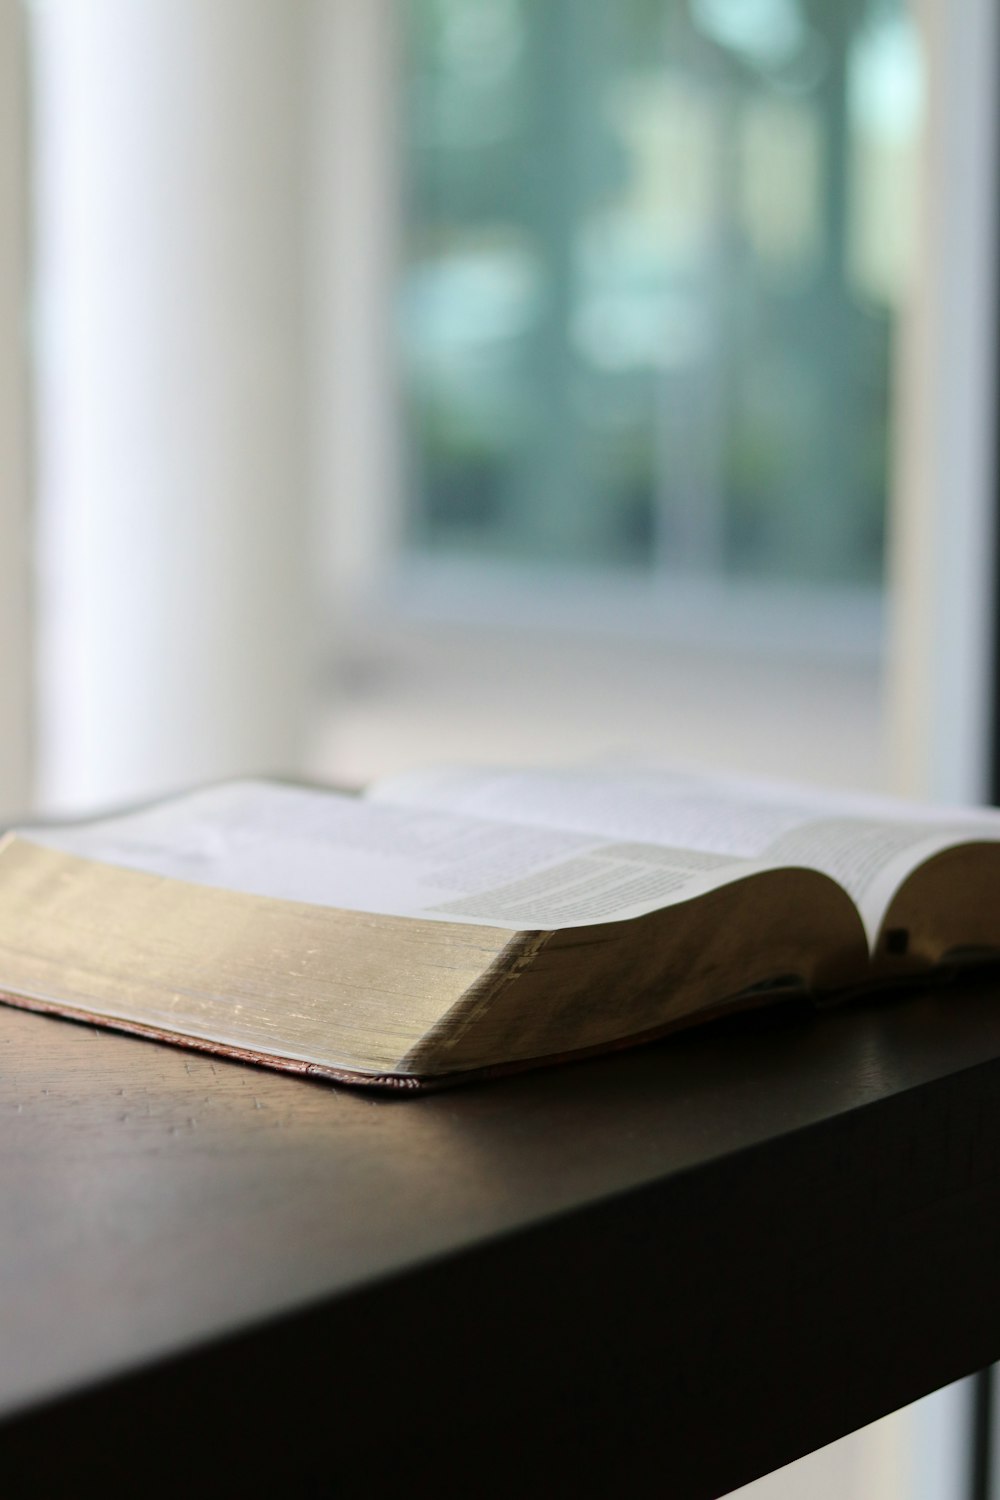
x=869, y=844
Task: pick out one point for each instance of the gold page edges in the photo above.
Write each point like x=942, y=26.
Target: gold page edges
x=280, y=981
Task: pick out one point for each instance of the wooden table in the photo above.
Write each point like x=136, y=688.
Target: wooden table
x=664, y=1272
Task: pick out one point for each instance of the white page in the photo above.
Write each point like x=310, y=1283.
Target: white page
x=297, y=844
x=868, y=844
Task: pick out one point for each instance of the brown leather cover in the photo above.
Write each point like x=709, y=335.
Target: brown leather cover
x=398, y=1083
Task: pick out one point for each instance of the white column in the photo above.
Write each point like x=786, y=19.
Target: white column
x=15, y=725
x=942, y=517
x=170, y=260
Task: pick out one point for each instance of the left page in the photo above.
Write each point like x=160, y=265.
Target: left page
x=298, y=844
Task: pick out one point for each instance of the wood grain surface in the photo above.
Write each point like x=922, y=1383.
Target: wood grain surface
x=701, y=1259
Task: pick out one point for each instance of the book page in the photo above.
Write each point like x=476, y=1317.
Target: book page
x=868, y=844
x=297, y=844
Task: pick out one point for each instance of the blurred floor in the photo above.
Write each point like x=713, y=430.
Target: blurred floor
x=407, y=694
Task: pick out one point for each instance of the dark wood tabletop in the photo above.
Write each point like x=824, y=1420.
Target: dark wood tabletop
x=678, y=1267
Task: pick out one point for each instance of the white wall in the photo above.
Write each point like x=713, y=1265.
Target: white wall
x=15, y=725
x=355, y=207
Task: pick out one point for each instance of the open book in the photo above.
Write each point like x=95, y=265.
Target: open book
x=455, y=921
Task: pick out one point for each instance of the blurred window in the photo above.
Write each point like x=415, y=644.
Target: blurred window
x=653, y=257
